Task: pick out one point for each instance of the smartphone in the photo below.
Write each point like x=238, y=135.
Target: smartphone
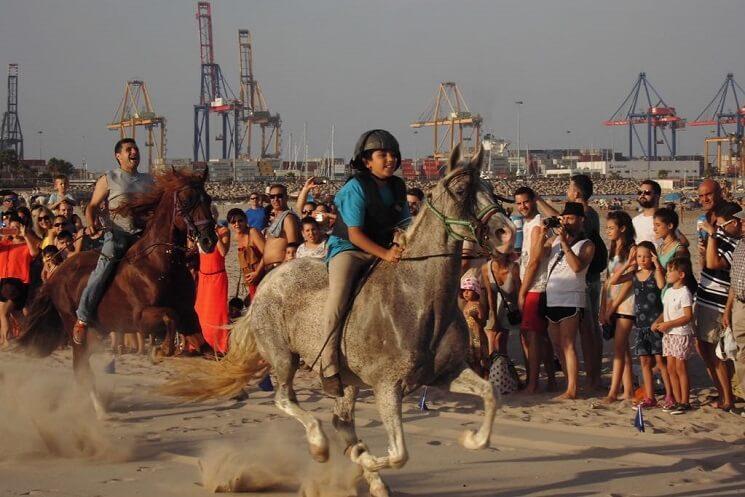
x=320, y=181
x=319, y=217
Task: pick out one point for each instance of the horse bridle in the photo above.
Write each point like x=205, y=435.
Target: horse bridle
x=185, y=211
x=478, y=230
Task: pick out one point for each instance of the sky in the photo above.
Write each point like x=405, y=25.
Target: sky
x=368, y=64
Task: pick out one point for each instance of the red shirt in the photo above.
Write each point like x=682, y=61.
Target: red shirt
x=15, y=261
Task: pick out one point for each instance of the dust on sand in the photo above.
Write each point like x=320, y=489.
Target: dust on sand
x=276, y=462
x=46, y=415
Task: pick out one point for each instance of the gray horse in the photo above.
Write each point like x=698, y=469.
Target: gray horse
x=404, y=329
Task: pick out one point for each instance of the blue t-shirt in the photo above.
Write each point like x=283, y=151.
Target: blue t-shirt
x=256, y=218
x=350, y=205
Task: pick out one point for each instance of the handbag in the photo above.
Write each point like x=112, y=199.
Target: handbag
x=726, y=348
x=514, y=316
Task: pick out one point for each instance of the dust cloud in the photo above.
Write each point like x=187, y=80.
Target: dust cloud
x=44, y=414
x=277, y=462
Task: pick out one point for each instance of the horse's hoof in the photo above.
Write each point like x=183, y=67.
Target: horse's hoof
x=469, y=441
x=319, y=453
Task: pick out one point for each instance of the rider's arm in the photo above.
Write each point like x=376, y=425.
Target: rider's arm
x=100, y=193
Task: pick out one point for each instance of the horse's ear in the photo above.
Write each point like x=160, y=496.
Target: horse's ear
x=454, y=160
x=477, y=159
x=205, y=174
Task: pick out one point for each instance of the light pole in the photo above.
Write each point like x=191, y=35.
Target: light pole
x=566, y=148
x=518, y=103
x=40, y=133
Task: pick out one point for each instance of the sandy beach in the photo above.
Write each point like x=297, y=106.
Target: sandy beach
x=152, y=445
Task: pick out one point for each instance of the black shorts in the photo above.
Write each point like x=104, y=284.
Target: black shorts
x=13, y=290
x=559, y=314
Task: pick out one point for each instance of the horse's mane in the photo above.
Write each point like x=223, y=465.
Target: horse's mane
x=141, y=206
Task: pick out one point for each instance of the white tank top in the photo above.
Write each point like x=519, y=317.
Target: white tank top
x=564, y=287
x=539, y=281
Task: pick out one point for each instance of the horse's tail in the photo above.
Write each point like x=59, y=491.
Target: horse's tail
x=42, y=331
x=201, y=380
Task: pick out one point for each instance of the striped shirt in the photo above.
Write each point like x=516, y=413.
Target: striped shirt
x=713, y=287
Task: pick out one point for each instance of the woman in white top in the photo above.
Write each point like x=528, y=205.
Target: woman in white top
x=570, y=255
x=617, y=304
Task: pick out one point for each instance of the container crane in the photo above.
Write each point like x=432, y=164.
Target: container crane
x=215, y=96
x=11, y=135
x=136, y=109
x=644, y=106
x=254, y=108
x=727, y=108
x=451, y=120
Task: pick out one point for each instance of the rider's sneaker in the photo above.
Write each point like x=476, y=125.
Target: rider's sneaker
x=332, y=385
x=78, y=332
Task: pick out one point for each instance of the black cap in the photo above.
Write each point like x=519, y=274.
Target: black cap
x=573, y=209
x=375, y=139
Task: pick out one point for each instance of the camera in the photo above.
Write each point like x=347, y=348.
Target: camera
x=552, y=222
x=320, y=181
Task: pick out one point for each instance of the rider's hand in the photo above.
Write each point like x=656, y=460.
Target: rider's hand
x=393, y=254
x=91, y=231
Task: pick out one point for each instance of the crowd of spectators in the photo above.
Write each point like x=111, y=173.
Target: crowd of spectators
x=635, y=286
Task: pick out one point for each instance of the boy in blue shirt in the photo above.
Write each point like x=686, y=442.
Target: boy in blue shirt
x=370, y=206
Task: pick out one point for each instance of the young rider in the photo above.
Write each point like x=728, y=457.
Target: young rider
x=370, y=205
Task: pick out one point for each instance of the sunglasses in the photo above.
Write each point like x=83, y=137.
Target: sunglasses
x=253, y=198
x=733, y=220
x=646, y=193
x=276, y=196
x=44, y=218
x=235, y=220
x=306, y=211
x=9, y=199
x=58, y=225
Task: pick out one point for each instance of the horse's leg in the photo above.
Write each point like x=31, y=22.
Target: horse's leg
x=469, y=382
x=388, y=398
x=84, y=375
x=157, y=318
x=343, y=422
x=284, y=368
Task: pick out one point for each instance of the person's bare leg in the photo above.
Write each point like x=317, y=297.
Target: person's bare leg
x=620, y=351
x=628, y=376
x=662, y=366
x=646, y=363
x=672, y=372
x=568, y=334
x=682, y=372
x=533, y=363
x=547, y=357
x=140, y=342
x=4, y=323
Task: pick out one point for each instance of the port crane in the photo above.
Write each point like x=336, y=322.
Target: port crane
x=644, y=106
x=727, y=108
x=136, y=110
x=254, y=110
x=11, y=135
x=215, y=96
x=451, y=120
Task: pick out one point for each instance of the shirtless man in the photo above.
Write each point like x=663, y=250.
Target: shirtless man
x=283, y=234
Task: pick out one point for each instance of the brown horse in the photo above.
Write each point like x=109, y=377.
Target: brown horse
x=152, y=290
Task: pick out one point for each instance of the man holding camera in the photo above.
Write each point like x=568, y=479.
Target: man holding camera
x=580, y=191
x=569, y=255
